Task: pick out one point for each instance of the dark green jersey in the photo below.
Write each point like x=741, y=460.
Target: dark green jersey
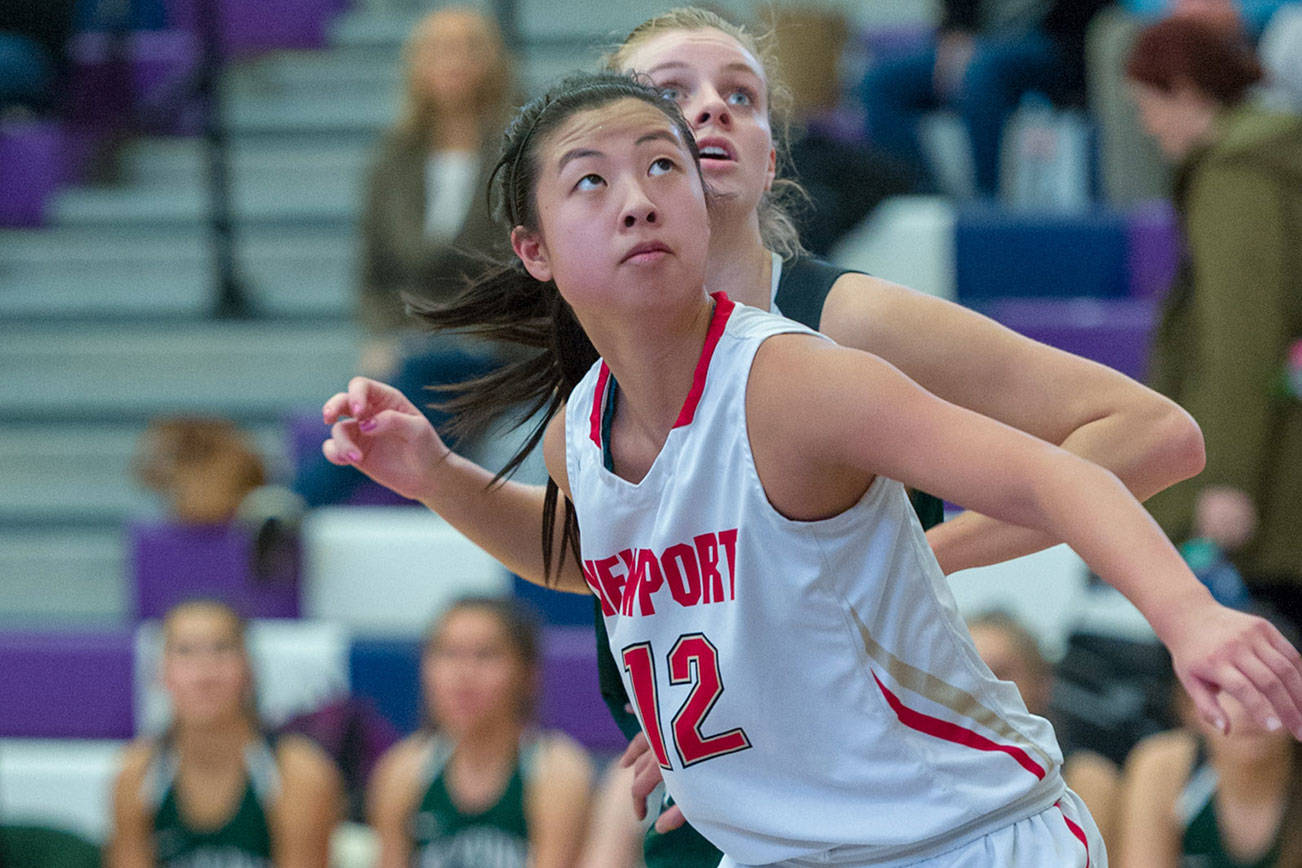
x=1201, y=844
x=243, y=841
x=444, y=836
x=802, y=290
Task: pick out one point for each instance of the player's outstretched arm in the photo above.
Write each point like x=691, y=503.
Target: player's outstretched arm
x=376, y=429
x=873, y=420
x=1088, y=409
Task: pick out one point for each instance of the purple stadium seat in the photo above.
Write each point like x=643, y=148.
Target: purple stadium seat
x=571, y=698
x=1114, y=332
x=32, y=165
x=66, y=685
x=1154, y=249
x=148, y=84
x=173, y=563
x=259, y=25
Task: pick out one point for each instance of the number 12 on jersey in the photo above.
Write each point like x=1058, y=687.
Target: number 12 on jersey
x=692, y=659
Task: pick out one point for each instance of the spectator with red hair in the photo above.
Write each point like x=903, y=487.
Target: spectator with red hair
x=1233, y=319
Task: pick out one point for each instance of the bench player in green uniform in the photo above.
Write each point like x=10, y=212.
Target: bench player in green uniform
x=478, y=787
x=215, y=791
x=721, y=78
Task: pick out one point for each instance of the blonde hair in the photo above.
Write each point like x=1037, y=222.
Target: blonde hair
x=493, y=102
x=777, y=227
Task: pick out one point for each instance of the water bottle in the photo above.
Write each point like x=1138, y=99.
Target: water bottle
x=1046, y=158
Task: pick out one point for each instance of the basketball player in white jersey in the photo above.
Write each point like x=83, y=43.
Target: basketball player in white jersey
x=785, y=631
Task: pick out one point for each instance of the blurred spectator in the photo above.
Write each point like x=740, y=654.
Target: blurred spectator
x=1196, y=796
x=844, y=178
x=1013, y=654
x=1228, y=346
x=478, y=786
x=33, y=51
x=202, y=468
x=1131, y=167
x=214, y=789
x=986, y=55
x=426, y=223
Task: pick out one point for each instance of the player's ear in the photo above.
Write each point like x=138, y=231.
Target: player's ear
x=532, y=251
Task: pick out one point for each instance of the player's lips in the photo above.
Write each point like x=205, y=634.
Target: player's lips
x=647, y=251
x=715, y=149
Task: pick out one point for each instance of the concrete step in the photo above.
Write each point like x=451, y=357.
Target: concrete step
x=304, y=279
x=339, y=71
x=182, y=163
x=247, y=370
x=63, y=576
x=125, y=243
x=280, y=204
x=81, y=474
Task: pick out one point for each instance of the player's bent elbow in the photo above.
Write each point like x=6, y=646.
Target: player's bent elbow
x=1179, y=450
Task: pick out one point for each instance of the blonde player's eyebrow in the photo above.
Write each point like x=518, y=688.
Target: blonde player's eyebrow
x=734, y=66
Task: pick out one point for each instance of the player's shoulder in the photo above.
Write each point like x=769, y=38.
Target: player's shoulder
x=135, y=758
x=559, y=763
x=302, y=759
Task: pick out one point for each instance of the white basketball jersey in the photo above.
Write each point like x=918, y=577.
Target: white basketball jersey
x=807, y=686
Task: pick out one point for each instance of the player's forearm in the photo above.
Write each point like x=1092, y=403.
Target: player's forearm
x=1090, y=509
x=1149, y=447
x=504, y=520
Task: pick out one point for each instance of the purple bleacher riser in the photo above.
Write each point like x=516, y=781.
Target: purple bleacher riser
x=32, y=165
x=173, y=563
x=66, y=685
x=571, y=694
x=306, y=434
x=258, y=25
x=1153, y=235
x=148, y=83
x=1114, y=332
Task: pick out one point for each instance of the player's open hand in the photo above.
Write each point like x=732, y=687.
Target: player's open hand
x=1217, y=650
x=646, y=777
x=376, y=429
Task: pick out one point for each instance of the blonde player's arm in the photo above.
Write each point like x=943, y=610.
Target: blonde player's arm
x=391, y=799
x=309, y=806
x=130, y=843
x=822, y=417
x=380, y=432
x=556, y=802
x=1088, y=409
x=1148, y=834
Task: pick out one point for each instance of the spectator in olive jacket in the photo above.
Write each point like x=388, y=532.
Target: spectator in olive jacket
x=1234, y=315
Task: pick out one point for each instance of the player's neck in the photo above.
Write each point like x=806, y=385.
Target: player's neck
x=485, y=746
x=654, y=364
x=213, y=746
x=739, y=264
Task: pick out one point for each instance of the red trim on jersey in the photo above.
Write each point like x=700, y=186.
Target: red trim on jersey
x=603, y=376
x=934, y=726
x=1076, y=830
x=723, y=307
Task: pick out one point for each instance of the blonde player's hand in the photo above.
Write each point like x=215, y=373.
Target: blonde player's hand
x=1217, y=649
x=646, y=777
x=376, y=429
